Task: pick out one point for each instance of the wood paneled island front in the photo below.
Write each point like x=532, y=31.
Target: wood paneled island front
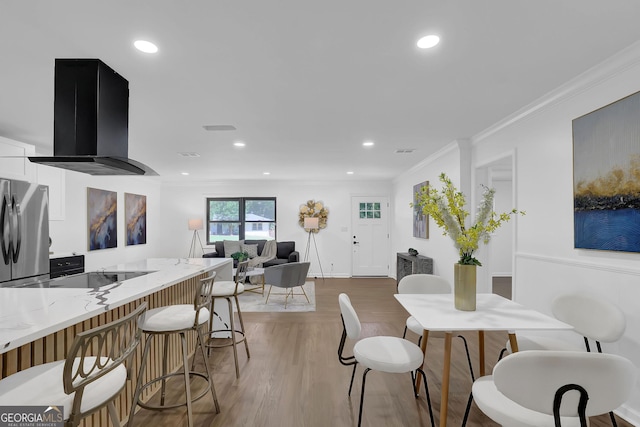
x=38, y=325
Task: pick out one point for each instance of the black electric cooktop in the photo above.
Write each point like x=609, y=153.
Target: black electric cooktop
x=94, y=279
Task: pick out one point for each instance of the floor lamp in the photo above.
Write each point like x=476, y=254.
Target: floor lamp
x=311, y=224
x=195, y=225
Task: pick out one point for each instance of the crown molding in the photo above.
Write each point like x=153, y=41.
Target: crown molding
x=618, y=63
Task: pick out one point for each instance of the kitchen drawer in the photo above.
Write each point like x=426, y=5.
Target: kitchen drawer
x=65, y=266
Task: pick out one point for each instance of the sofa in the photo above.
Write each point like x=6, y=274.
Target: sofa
x=286, y=252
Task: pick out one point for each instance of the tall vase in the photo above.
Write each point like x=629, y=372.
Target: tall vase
x=464, y=287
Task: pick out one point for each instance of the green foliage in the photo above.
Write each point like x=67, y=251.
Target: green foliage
x=224, y=210
x=240, y=256
x=262, y=208
x=447, y=208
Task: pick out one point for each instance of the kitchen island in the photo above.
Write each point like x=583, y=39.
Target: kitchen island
x=37, y=325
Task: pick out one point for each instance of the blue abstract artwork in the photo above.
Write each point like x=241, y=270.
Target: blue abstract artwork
x=102, y=208
x=606, y=177
x=135, y=207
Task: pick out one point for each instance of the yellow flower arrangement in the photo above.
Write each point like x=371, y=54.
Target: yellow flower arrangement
x=313, y=209
x=446, y=207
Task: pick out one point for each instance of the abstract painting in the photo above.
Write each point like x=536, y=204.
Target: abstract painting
x=606, y=177
x=102, y=208
x=135, y=217
x=420, y=220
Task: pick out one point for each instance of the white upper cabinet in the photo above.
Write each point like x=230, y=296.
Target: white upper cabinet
x=14, y=164
x=55, y=179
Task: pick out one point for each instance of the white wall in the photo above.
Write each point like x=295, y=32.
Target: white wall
x=68, y=206
x=169, y=207
x=546, y=263
x=71, y=235
x=437, y=246
x=182, y=202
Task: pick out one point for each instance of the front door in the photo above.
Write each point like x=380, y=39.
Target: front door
x=370, y=236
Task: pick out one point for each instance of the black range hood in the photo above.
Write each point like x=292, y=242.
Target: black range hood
x=91, y=120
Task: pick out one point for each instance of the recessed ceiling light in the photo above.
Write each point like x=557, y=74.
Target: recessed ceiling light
x=350, y=173
x=428, y=41
x=367, y=144
x=266, y=173
x=239, y=144
x=185, y=173
x=145, y=46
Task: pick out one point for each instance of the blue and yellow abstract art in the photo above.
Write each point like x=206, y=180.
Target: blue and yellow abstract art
x=102, y=208
x=135, y=215
x=606, y=177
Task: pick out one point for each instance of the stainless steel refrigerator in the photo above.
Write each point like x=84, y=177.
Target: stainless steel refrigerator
x=24, y=232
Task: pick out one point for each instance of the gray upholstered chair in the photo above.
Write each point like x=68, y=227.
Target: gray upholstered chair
x=287, y=276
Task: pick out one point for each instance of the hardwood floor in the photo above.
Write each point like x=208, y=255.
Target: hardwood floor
x=294, y=379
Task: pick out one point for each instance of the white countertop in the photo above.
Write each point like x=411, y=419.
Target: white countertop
x=27, y=314
x=53, y=255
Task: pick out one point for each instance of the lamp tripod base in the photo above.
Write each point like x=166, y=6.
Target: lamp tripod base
x=306, y=253
x=192, y=250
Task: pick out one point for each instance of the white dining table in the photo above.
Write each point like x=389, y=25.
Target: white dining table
x=436, y=312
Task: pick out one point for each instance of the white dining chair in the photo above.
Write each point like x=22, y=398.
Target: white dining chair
x=541, y=388
x=595, y=318
x=428, y=284
x=380, y=353
x=592, y=317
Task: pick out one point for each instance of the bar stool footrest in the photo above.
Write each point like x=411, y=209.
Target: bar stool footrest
x=176, y=405
x=231, y=338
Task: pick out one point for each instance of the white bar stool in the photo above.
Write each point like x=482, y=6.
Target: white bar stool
x=177, y=319
x=228, y=290
x=91, y=377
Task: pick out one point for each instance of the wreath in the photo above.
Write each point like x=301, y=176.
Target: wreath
x=313, y=209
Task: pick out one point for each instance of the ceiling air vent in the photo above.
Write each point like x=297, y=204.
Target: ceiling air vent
x=219, y=127
x=405, y=150
x=189, y=154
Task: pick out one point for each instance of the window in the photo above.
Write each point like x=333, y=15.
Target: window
x=370, y=210
x=240, y=218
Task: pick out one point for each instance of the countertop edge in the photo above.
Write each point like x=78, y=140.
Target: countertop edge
x=30, y=314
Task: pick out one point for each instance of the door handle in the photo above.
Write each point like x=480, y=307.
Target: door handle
x=356, y=243
x=3, y=219
x=18, y=235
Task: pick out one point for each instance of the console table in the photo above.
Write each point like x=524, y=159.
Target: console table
x=408, y=264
